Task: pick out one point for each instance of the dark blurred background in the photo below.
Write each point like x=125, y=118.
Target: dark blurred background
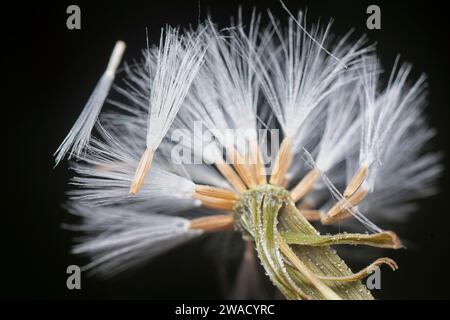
x=50, y=73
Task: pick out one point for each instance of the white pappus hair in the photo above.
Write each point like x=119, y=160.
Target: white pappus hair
x=120, y=239
x=389, y=116
x=106, y=170
x=177, y=63
x=296, y=98
x=80, y=133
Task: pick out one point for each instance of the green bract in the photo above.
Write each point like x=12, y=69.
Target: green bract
x=268, y=216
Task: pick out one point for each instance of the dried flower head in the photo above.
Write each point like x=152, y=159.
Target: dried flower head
x=185, y=152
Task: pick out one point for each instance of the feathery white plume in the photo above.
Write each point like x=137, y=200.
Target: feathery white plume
x=79, y=135
x=119, y=239
x=106, y=171
x=393, y=134
x=387, y=115
x=176, y=67
x=406, y=173
x=297, y=76
x=224, y=96
x=177, y=63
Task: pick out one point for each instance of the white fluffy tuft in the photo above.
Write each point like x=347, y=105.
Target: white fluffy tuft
x=177, y=64
x=297, y=76
x=80, y=134
x=118, y=239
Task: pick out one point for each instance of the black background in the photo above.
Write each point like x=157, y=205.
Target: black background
x=50, y=72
